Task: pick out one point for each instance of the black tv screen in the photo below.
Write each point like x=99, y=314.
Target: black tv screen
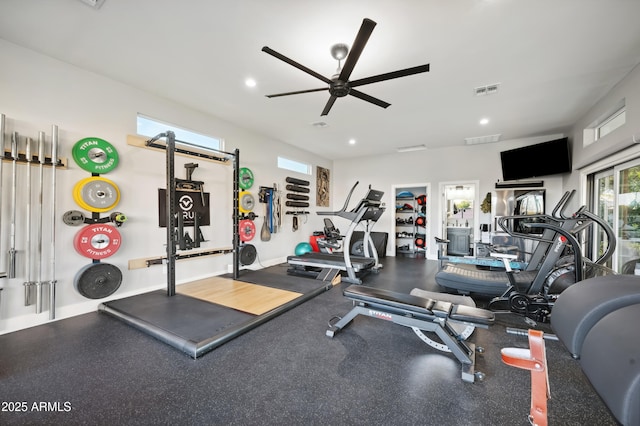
x=543, y=159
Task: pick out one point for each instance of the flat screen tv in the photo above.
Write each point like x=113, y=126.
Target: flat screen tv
x=543, y=159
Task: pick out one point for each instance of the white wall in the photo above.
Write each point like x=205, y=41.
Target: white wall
x=624, y=138
x=38, y=91
x=455, y=164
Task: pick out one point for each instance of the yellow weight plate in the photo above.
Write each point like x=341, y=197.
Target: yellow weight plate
x=76, y=193
x=96, y=194
x=246, y=202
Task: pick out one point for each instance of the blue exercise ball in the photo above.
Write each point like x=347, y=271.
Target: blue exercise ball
x=303, y=248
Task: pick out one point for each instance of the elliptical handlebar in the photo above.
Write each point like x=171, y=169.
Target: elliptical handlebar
x=562, y=205
x=577, y=253
x=611, y=237
x=502, y=223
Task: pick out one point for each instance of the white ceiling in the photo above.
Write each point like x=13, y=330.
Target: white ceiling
x=554, y=59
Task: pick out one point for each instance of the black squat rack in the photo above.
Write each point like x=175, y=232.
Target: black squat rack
x=170, y=202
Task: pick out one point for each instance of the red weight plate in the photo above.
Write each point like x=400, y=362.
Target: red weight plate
x=247, y=230
x=97, y=241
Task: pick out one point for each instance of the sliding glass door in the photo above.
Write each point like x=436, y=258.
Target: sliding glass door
x=617, y=200
x=628, y=207
x=604, y=199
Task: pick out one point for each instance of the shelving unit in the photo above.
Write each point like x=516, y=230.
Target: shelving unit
x=411, y=218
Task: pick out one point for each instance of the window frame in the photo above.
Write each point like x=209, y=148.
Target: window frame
x=183, y=136
x=292, y=165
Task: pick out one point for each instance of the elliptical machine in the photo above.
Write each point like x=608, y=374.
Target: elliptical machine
x=569, y=264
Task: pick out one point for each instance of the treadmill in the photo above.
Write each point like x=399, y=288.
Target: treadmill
x=368, y=210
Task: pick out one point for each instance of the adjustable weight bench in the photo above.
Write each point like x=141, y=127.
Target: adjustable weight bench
x=423, y=313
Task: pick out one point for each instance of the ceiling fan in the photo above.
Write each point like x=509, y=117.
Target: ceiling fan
x=339, y=84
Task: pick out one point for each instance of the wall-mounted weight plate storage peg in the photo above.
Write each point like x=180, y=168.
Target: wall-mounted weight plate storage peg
x=73, y=218
x=77, y=218
x=96, y=194
x=95, y=155
x=97, y=280
x=97, y=241
x=245, y=180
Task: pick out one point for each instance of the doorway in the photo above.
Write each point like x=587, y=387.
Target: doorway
x=410, y=229
x=459, y=215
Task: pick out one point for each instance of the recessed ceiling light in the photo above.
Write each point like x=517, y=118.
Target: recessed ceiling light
x=250, y=82
x=352, y=141
x=484, y=121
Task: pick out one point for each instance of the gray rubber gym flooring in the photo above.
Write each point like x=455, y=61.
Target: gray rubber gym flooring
x=96, y=370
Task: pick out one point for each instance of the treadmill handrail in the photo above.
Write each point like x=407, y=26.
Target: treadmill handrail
x=346, y=204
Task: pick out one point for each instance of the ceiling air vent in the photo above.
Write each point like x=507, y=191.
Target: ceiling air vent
x=489, y=89
x=492, y=88
x=93, y=3
x=483, y=139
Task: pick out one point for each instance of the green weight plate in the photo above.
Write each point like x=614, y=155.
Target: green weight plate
x=95, y=155
x=246, y=178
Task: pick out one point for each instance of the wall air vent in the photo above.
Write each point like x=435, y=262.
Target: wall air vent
x=483, y=139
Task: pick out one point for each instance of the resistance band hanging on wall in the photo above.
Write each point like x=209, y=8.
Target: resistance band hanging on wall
x=270, y=197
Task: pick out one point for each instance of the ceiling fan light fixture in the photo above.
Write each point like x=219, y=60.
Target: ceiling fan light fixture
x=340, y=85
x=339, y=51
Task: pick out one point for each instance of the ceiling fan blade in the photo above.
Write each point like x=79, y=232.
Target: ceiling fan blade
x=390, y=75
x=358, y=94
x=356, y=48
x=328, y=106
x=296, y=92
x=295, y=64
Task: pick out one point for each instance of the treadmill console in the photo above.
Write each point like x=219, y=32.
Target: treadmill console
x=374, y=195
